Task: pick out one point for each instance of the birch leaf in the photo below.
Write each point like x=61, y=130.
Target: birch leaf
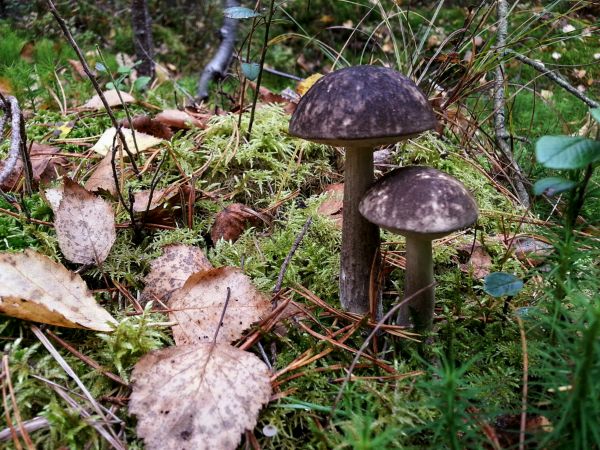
x=198, y=397
x=33, y=287
x=112, y=98
x=85, y=225
x=198, y=305
x=170, y=271
x=106, y=141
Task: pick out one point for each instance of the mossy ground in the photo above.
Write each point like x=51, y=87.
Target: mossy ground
x=475, y=360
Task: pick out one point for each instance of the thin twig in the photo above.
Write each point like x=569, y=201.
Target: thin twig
x=90, y=75
x=220, y=324
x=502, y=136
x=31, y=425
x=554, y=76
x=289, y=257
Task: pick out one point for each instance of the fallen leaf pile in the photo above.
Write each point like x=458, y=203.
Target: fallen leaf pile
x=203, y=392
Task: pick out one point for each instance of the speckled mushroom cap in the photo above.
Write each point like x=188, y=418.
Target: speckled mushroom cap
x=419, y=201
x=362, y=106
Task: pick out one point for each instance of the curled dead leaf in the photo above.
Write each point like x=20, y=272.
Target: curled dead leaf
x=333, y=203
x=46, y=165
x=152, y=127
x=179, y=119
x=198, y=305
x=33, y=287
x=479, y=263
x=231, y=222
x=85, y=225
x=198, y=397
x=170, y=271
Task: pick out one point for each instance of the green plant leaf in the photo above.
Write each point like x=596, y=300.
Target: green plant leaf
x=100, y=67
x=141, y=83
x=552, y=186
x=251, y=70
x=110, y=85
x=240, y=12
x=595, y=114
x=124, y=70
x=565, y=152
x=500, y=284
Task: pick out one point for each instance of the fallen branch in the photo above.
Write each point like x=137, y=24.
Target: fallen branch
x=556, y=77
x=502, y=136
x=18, y=146
x=217, y=67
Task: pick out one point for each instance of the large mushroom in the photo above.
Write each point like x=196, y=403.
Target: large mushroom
x=360, y=108
x=421, y=204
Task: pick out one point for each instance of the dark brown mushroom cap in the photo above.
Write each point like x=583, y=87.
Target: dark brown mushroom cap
x=419, y=201
x=362, y=106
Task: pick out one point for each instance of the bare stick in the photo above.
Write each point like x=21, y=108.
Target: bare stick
x=220, y=324
x=216, y=69
x=88, y=72
x=18, y=146
x=502, y=136
x=556, y=77
x=31, y=425
x=289, y=257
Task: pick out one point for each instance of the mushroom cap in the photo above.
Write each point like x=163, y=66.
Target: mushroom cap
x=419, y=202
x=362, y=106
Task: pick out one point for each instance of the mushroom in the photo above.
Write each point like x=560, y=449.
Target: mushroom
x=360, y=108
x=421, y=204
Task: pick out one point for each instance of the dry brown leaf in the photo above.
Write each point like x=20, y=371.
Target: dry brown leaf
x=178, y=119
x=85, y=225
x=159, y=196
x=33, y=287
x=143, y=141
x=112, y=98
x=231, y=222
x=103, y=178
x=333, y=203
x=170, y=271
x=531, y=249
x=152, y=127
x=198, y=397
x=27, y=51
x=480, y=262
x=198, y=305
x=46, y=165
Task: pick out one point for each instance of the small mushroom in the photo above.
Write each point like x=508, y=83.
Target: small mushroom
x=421, y=204
x=360, y=108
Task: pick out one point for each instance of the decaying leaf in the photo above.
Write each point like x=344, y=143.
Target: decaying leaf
x=198, y=305
x=231, y=222
x=143, y=141
x=170, y=271
x=333, y=203
x=77, y=68
x=54, y=196
x=46, y=165
x=85, y=225
x=178, y=119
x=103, y=178
x=152, y=127
x=112, y=98
x=198, y=397
x=531, y=249
x=159, y=196
x=480, y=262
x=33, y=287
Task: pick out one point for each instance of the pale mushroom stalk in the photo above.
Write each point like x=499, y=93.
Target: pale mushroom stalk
x=422, y=204
x=360, y=238
x=360, y=108
x=418, y=275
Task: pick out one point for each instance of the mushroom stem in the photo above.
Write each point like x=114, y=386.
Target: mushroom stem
x=360, y=238
x=419, y=273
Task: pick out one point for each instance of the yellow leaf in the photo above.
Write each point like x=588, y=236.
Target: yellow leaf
x=307, y=83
